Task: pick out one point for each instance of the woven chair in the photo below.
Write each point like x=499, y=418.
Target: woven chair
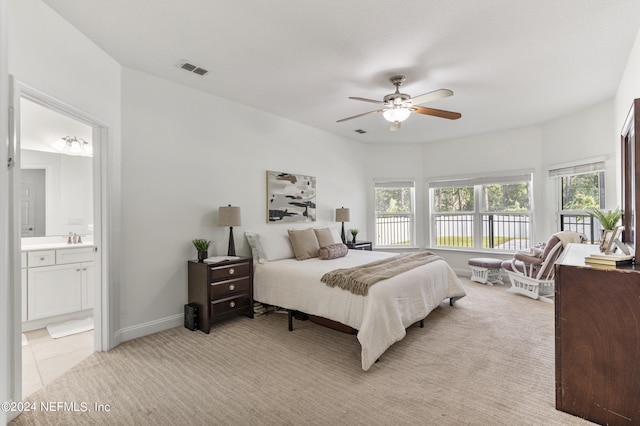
x=532, y=273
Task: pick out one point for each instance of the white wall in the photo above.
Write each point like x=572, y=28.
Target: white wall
x=186, y=153
x=585, y=134
x=46, y=53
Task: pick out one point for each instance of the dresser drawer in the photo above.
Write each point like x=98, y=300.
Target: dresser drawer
x=41, y=258
x=230, y=287
x=221, y=273
x=230, y=304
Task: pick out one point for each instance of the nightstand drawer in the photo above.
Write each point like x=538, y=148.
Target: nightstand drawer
x=219, y=273
x=229, y=288
x=230, y=304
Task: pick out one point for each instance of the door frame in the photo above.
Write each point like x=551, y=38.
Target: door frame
x=100, y=136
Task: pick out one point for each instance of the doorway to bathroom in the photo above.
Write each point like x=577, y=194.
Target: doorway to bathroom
x=58, y=185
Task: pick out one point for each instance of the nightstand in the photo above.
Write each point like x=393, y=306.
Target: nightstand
x=221, y=290
x=360, y=245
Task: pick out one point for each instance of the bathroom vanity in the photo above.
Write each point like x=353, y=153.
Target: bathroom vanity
x=57, y=281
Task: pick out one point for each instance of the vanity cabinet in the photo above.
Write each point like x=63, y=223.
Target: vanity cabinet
x=58, y=282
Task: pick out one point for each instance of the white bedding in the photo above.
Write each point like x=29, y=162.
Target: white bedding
x=381, y=317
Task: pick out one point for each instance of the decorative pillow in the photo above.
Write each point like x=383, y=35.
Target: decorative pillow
x=274, y=246
x=333, y=251
x=254, y=243
x=325, y=237
x=304, y=242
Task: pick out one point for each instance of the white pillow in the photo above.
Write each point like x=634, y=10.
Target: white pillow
x=275, y=246
x=337, y=239
x=256, y=249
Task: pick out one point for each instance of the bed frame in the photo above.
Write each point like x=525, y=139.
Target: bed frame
x=335, y=325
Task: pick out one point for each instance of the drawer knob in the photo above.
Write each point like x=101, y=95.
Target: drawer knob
x=232, y=287
x=232, y=271
x=232, y=304
x=42, y=258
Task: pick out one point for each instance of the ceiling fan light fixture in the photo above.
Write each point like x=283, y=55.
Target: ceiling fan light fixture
x=396, y=115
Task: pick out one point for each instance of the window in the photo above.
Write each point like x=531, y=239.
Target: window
x=482, y=213
x=395, y=215
x=580, y=187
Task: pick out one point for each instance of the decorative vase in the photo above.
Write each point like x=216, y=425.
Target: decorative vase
x=354, y=239
x=202, y=255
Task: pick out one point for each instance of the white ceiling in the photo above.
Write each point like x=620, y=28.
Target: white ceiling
x=41, y=127
x=510, y=63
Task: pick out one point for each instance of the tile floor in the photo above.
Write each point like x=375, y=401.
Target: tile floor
x=45, y=358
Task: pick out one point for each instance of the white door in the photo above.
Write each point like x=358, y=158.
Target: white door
x=32, y=203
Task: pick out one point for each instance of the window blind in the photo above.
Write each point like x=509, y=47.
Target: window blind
x=579, y=169
x=482, y=180
x=394, y=184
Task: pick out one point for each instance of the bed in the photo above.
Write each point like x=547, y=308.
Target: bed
x=380, y=318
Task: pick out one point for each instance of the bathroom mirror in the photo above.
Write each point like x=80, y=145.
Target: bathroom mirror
x=56, y=191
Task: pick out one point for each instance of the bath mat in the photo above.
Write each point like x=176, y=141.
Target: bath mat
x=68, y=328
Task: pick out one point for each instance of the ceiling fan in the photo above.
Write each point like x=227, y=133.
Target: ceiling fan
x=397, y=106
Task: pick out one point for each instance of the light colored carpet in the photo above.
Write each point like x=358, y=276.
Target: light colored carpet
x=489, y=360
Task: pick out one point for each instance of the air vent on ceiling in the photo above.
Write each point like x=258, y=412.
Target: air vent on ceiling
x=360, y=131
x=185, y=65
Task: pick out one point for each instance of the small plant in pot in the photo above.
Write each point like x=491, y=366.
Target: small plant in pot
x=608, y=219
x=354, y=232
x=202, y=247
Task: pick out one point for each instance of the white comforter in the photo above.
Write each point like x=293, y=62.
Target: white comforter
x=381, y=317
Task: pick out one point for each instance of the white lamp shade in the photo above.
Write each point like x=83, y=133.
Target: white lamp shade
x=342, y=215
x=229, y=216
x=396, y=114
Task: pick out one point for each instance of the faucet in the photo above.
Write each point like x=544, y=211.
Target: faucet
x=70, y=239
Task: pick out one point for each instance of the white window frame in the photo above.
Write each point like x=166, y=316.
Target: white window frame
x=556, y=173
x=477, y=182
x=395, y=183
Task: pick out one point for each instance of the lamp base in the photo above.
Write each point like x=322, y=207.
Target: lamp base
x=232, y=247
x=343, y=236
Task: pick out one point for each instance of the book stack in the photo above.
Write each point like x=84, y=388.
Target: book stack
x=259, y=309
x=609, y=259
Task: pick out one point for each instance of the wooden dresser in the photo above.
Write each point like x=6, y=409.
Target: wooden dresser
x=597, y=325
x=221, y=290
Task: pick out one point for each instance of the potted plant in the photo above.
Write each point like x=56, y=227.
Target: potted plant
x=608, y=219
x=202, y=247
x=354, y=232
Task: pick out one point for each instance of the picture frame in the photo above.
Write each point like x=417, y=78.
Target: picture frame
x=606, y=240
x=290, y=197
x=609, y=239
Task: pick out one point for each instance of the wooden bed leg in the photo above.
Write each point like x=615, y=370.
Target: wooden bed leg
x=422, y=323
x=452, y=300
x=290, y=315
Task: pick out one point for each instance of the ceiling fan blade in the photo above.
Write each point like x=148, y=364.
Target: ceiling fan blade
x=436, y=94
x=355, y=98
x=394, y=125
x=436, y=112
x=359, y=115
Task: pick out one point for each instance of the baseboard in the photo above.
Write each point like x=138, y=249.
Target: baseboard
x=140, y=330
x=466, y=272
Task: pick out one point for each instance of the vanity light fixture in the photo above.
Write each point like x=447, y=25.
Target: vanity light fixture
x=73, y=145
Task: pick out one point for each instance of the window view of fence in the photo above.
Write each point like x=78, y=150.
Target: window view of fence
x=489, y=216
x=394, y=213
x=581, y=191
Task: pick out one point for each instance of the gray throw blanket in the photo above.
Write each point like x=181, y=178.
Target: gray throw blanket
x=358, y=279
